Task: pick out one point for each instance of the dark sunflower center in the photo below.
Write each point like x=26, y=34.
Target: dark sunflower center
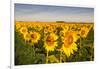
x=50, y=40
x=68, y=40
x=33, y=36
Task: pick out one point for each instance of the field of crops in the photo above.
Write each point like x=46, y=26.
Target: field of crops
x=53, y=42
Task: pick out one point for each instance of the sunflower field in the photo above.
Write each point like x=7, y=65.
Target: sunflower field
x=53, y=42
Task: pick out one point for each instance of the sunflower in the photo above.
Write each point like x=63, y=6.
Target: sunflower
x=17, y=26
x=26, y=36
x=69, y=45
x=65, y=28
x=35, y=36
x=23, y=30
x=84, y=31
x=50, y=42
x=50, y=29
x=45, y=30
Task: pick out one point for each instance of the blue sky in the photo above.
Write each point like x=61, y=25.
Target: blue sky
x=29, y=12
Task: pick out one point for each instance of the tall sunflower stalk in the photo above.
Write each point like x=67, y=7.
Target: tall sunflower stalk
x=80, y=45
x=47, y=57
x=60, y=56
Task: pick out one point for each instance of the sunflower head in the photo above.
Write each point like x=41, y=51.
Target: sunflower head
x=50, y=29
x=45, y=30
x=50, y=42
x=69, y=45
x=17, y=26
x=23, y=30
x=26, y=36
x=35, y=36
x=84, y=32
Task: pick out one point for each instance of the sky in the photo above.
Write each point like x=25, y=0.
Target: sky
x=48, y=13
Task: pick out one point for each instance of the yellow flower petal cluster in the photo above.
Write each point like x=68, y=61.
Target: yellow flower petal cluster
x=84, y=31
x=35, y=36
x=69, y=45
x=50, y=42
x=23, y=30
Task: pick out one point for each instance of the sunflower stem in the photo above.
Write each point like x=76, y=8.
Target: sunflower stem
x=47, y=57
x=60, y=56
x=80, y=46
x=34, y=50
x=25, y=42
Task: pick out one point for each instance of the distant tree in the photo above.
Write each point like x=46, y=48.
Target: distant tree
x=60, y=21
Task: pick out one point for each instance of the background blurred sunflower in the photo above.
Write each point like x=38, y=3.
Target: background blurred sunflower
x=26, y=36
x=23, y=30
x=35, y=36
x=18, y=26
x=50, y=42
x=69, y=45
x=45, y=30
x=84, y=31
